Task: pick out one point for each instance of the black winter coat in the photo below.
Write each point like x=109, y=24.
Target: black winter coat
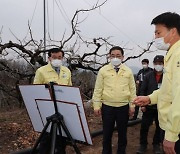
x=140, y=77
x=150, y=84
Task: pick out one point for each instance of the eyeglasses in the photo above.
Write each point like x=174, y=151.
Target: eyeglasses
x=53, y=57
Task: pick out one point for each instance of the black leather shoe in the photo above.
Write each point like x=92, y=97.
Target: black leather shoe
x=142, y=149
x=157, y=149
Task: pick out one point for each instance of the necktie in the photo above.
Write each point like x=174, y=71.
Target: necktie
x=116, y=69
x=57, y=70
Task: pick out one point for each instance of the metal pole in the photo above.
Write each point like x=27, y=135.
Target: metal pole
x=44, y=54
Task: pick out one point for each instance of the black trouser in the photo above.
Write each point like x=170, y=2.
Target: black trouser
x=148, y=117
x=110, y=115
x=136, y=112
x=45, y=144
x=177, y=144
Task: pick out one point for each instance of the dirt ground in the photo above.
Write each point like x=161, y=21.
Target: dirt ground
x=16, y=133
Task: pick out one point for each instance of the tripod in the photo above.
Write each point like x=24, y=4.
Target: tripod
x=56, y=121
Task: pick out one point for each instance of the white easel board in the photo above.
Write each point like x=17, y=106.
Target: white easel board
x=39, y=105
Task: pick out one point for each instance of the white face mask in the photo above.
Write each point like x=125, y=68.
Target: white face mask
x=56, y=62
x=160, y=44
x=145, y=66
x=158, y=68
x=116, y=61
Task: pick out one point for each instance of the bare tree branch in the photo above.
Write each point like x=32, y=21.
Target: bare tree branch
x=15, y=36
x=144, y=51
x=74, y=23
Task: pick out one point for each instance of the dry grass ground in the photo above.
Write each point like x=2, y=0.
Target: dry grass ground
x=16, y=133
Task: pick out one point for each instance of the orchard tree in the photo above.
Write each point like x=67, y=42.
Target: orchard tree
x=30, y=56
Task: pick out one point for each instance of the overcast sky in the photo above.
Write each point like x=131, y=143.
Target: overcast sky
x=127, y=21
